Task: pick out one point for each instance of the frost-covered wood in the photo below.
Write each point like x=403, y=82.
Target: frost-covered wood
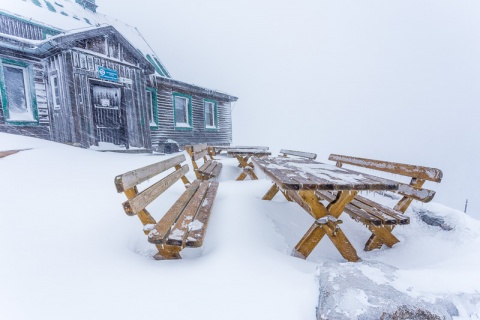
x=185, y=223
x=306, y=182
x=209, y=168
x=410, y=192
x=198, y=133
x=302, y=154
x=425, y=173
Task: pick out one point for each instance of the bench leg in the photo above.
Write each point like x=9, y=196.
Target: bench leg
x=384, y=236
x=376, y=242
x=166, y=252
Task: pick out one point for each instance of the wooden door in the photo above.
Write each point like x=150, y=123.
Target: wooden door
x=107, y=115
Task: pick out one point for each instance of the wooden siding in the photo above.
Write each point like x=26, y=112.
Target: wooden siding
x=198, y=134
x=20, y=28
x=42, y=128
x=133, y=104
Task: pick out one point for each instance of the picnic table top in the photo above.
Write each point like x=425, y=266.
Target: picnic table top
x=306, y=174
x=240, y=147
x=246, y=152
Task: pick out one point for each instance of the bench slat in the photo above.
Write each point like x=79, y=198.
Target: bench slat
x=210, y=168
x=204, y=166
x=199, y=147
x=179, y=231
x=217, y=170
x=401, y=218
x=199, y=155
x=308, y=155
x=144, y=198
x=353, y=211
x=163, y=227
x=132, y=178
x=425, y=173
x=199, y=226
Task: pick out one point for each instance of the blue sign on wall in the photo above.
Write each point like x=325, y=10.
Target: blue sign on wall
x=107, y=74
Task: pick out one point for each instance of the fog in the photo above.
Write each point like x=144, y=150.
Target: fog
x=389, y=80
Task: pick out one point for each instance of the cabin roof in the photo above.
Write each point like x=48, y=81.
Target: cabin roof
x=176, y=84
x=67, y=40
x=65, y=16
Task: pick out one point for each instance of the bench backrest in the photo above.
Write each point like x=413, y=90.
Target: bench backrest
x=137, y=201
x=412, y=191
x=308, y=155
x=197, y=151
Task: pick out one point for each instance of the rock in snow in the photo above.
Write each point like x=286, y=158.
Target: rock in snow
x=366, y=290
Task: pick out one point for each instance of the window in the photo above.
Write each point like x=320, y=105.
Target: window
x=18, y=95
x=152, y=107
x=182, y=104
x=211, y=118
x=56, y=93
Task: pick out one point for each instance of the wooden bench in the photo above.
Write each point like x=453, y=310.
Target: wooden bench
x=210, y=168
x=380, y=219
x=301, y=154
x=185, y=223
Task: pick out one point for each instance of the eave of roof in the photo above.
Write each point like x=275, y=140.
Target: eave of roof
x=176, y=84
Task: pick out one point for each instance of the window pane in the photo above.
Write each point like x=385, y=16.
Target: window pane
x=150, y=107
x=16, y=94
x=210, y=114
x=181, y=110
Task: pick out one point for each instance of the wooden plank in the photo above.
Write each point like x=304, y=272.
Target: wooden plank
x=199, y=226
x=423, y=195
x=179, y=231
x=354, y=212
x=200, y=154
x=308, y=155
x=401, y=219
x=6, y=153
x=132, y=178
x=162, y=228
x=426, y=173
x=144, y=198
x=199, y=147
x=205, y=166
x=217, y=170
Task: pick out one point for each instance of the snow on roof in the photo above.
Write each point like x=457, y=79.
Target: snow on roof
x=67, y=15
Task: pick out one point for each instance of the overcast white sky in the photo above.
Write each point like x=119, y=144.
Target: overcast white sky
x=391, y=80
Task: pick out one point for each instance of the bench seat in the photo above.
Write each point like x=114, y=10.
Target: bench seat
x=210, y=168
x=185, y=223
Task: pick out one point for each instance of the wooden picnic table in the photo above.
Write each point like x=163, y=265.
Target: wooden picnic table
x=298, y=179
x=243, y=155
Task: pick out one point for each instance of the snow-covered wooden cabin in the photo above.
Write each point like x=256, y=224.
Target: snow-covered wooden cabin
x=72, y=75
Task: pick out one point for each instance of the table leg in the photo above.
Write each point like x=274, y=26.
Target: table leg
x=247, y=169
x=273, y=191
x=309, y=201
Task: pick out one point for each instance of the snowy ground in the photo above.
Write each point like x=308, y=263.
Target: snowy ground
x=69, y=251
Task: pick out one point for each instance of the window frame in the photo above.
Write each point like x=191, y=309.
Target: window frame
x=153, y=108
x=56, y=97
x=215, y=114
x=30, y=94
x=189, y=125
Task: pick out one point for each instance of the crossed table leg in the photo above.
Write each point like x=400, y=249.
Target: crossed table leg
x=246, y=167
x=326, y=222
